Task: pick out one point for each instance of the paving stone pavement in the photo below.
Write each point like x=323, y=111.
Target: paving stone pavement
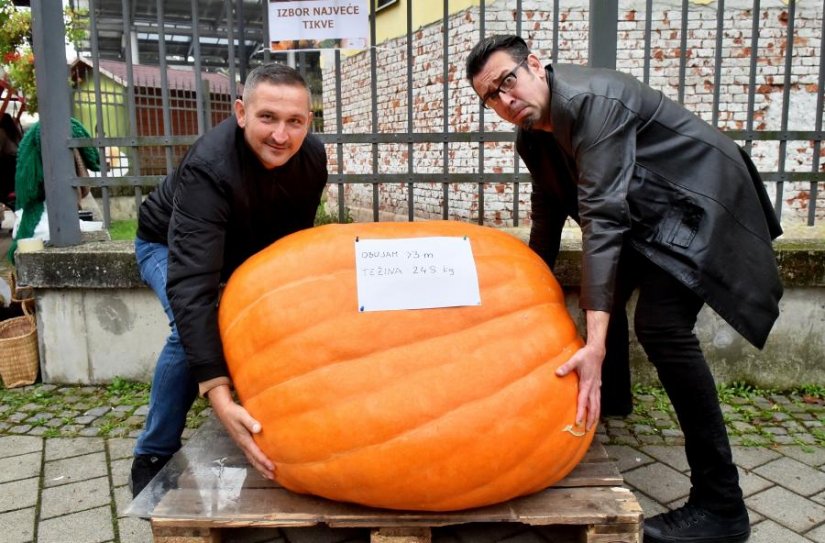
x=65, y=453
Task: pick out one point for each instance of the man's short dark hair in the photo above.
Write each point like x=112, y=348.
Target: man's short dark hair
x=273, y=73
x=513, y=45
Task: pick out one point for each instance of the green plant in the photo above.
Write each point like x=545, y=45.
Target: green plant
x=322, y=216
x=738, y=389
x=123, y=230
x=751, y=442
x=68, y=401
x=119, y=386
x=661, y=402
x=127, y=229
x=811, y=391
x=125, y=392
x=15, y=48
x=106, y=428
x=16, y=56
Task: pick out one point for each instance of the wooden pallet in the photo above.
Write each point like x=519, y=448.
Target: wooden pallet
x=209, y=487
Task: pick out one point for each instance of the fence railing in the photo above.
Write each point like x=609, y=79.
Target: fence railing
x=407, y=136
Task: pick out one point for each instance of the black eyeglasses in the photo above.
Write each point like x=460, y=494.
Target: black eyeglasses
x=506, y=85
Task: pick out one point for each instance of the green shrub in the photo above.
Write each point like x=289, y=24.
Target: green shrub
x=127, y=229
x=324, y=217
x=123, y=230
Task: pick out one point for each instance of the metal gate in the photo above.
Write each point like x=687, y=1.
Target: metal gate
x=740, y=65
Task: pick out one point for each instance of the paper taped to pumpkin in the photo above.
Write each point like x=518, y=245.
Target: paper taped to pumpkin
x=426, y=409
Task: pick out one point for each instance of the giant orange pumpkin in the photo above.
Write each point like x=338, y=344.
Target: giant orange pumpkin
x=431, y=409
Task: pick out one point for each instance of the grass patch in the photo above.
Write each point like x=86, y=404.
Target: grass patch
x=13, y=399
x=738, y=389
x=750, y=412
x=322, y=216
x=661, y=402
x=123, y=230
x=18, y=405
x=124, y=392
x=811, y=391
x=127, y=229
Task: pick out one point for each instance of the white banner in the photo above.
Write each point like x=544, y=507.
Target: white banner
x=415, y=273
x=318, y=24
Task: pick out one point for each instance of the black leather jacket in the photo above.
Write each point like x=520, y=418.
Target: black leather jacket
x=218, y=208
x=631, y=166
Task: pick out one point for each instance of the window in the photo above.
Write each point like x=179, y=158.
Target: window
x=381, y=4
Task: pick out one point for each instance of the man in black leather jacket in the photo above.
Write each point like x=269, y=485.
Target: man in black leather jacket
x=254, y=178
x=667, y=204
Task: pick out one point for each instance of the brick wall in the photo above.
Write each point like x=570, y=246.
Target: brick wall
x=462, y=111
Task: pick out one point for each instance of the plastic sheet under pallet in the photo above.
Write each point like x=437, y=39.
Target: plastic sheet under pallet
x=208, y=489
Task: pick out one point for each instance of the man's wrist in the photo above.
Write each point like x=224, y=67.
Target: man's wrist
x=205, y=387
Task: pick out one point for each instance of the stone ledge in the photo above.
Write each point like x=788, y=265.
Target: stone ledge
x=111, y=264
x=97, y=321
x=801, y=262
x=94, y=265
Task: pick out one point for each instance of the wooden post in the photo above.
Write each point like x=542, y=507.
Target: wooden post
x=614, y=533
x=177, y=534
x=401, y=535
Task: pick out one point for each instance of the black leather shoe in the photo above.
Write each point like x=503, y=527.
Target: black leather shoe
x=144, y=469
x=692, y=524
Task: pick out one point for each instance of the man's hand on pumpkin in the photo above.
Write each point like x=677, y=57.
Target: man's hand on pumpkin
x=240, y=425
x=587, y=362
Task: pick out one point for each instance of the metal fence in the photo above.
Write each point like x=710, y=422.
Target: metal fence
x=151, y=119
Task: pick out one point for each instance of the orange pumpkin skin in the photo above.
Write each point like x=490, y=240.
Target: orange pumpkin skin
x=434, y=409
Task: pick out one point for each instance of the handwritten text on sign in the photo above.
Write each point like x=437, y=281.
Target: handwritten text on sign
x=415, y=273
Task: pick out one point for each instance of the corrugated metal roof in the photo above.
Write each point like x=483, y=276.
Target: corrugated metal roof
x=149, y=76
x=213, y=28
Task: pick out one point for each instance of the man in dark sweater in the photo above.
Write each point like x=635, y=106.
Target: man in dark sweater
x=254, y=178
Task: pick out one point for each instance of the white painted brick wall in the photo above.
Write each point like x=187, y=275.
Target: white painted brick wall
x=537, y=22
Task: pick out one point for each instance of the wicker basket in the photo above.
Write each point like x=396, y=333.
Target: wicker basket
x=19, y=361
x=24, y=296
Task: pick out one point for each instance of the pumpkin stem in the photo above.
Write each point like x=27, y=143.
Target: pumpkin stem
x=569, y=428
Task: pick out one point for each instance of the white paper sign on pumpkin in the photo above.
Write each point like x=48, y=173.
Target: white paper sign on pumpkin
x=415, y=273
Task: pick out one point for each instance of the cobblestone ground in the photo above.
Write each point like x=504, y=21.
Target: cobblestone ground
x=65, y=453
x=754, y=417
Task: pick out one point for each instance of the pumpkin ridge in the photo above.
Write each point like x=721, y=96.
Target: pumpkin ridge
x=516, y=460
x=499, y=320
x=346, y=269
x=242, y=313
x=463, y=405
x=266, y=351
x=250, y=303
x=305, y=244
x=394, y=431
x=550, y=441
x=559, y=472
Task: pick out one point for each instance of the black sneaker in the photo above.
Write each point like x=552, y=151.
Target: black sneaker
x=692, y=524
x=144, y=469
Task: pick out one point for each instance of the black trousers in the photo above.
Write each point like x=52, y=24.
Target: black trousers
x=664, y=319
